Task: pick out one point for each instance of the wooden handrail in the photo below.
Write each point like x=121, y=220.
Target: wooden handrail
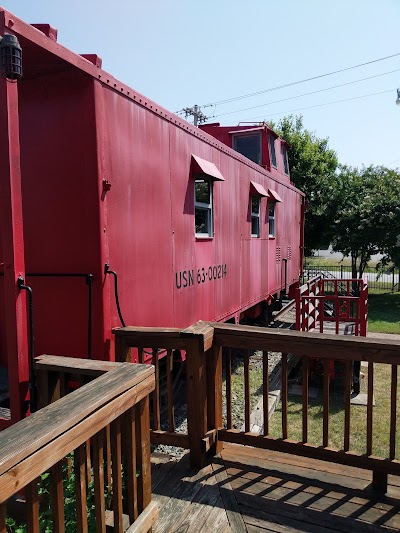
x=84, y=367
x=319, y=345
x=40, y=443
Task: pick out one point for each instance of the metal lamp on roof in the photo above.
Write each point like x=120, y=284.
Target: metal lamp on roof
x=398, y=97
x=10, y=57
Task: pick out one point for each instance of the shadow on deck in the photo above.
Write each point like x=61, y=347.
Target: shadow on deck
x=246, y=489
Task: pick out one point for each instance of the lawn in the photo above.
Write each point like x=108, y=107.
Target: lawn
x=384, y=312
x=328, y=261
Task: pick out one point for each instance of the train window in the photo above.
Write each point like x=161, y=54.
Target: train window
x=203, y=208
x=249, y=146
x=255, y=216
x=285, y=159
x=271, y=219
x=271, y=140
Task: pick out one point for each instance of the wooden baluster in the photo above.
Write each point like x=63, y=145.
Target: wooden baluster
x=80, y=488
x=32, y=506
x=370, y=406
x=3, y=516
x=304, y=368
x=63, y=384
x=54, y=387
x=108, y=458
x=140, y=354
x=42, y=381
x=347, y=396
x=393, y=413
x=117, y=474
x=130, y=463
x=284, y=396
x=170, y=389
x=98, y=474
x=337, y=313
x=88, y=463
x=143, y=453
x=229, y=389
x=357, y=318
x=57, y=497
x=213, y=359
x=247, y=405
x=156, y=392
x=325, y=438
x=321, y=310
x=265, y=393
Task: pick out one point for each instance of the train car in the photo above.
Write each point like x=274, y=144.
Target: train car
x=100, y=185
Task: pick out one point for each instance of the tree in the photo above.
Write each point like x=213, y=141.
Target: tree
x=367, y=217
x=313, y=168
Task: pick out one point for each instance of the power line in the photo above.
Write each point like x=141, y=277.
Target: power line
x=320, y=105
x=305, y=94
x=228, y=100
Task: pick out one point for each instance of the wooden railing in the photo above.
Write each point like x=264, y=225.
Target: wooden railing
x=332, y=300
x=75, y=428
x=324, y=347
x=199, y=363
x=204, y=342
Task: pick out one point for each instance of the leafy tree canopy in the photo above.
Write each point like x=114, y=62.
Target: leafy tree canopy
x=367, y=219
x=313, y=167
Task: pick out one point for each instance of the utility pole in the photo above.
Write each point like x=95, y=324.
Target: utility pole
x=195, y=111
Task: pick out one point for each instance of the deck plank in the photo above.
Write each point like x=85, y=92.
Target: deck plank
x=197, y=513
x=229, y=499
x=186, y=489
x=273, y=492
x=246, y=489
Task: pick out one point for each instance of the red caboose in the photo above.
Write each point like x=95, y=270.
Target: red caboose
x=97, y=179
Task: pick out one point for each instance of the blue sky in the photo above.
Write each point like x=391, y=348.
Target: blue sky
x=185, y=52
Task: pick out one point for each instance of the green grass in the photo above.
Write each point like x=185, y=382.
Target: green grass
x=384, y=312
x=358, y=417
x=327, y=261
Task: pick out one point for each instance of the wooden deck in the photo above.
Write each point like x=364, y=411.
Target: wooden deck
x=246, y=489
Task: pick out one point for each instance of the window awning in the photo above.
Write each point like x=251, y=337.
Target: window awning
x=206, y=167
x=258, y=189
x=274, y=195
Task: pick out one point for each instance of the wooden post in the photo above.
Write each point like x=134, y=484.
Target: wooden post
x=199, y=341
x=214, y=393
x=122, y=349
x=196, y=402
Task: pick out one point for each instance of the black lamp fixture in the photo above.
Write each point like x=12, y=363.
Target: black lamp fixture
x=398, y=97
x=10, y=57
